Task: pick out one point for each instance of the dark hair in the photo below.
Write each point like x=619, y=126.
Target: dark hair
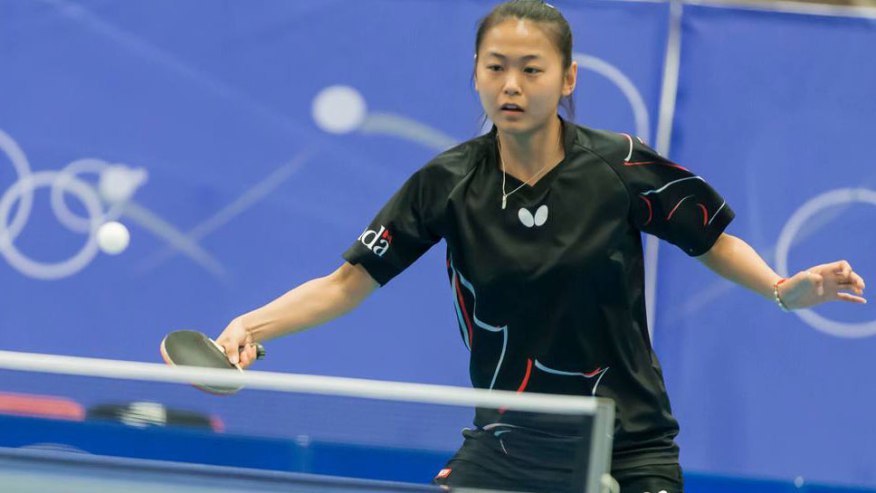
x=555, y=26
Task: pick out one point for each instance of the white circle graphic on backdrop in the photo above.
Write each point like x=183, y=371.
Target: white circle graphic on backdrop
x=786, y=237
x=24, y=188
x=625, y=85
x=339, y=109
x=22, y=169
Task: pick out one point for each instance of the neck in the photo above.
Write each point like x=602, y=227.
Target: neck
x=525, y=155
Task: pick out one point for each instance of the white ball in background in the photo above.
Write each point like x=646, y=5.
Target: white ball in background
x=113, y=237
x=339, y=109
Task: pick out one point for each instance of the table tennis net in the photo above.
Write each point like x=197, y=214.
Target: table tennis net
x=282, y=422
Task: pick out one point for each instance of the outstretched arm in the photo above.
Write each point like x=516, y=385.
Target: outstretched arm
x=313, y=303
x=735, y=260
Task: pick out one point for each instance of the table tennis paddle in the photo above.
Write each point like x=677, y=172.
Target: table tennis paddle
x=193, y=348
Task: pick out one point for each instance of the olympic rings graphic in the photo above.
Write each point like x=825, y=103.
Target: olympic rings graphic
x=117, y=184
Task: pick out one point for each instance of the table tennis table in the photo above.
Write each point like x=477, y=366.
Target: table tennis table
x=35, y=470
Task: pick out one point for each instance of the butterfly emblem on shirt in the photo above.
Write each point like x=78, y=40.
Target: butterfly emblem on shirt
x=529, y=219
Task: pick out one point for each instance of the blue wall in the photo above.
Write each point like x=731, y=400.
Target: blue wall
x=778, y=108
x=239, y=192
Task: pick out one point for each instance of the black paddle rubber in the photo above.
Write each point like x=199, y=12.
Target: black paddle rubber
x=193, y=348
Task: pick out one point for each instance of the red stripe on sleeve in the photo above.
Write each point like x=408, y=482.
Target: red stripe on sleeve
x=650, y=211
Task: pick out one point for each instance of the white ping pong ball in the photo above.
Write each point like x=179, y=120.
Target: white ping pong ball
x=339, y=109
x=113, y=237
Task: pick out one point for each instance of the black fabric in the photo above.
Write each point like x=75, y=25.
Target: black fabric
x=519, y=463
x=651, y=479
x=549, y=292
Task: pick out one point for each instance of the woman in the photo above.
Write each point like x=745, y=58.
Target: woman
x=542, y=220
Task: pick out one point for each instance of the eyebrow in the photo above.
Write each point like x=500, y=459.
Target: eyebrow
x=525, y=58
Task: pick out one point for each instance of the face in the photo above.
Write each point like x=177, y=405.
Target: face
x=519, y=76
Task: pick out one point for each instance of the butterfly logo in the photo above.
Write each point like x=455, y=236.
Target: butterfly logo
x=529, y=220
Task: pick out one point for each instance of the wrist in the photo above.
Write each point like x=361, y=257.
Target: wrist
x=246, y=326
x=777, y=295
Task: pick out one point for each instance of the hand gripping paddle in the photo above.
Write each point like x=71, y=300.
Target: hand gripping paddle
x=193, y=348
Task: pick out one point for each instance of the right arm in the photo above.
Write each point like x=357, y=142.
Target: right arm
x=402, y=231
x=313, y=303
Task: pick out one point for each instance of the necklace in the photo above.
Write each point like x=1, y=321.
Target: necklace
x=502, y=162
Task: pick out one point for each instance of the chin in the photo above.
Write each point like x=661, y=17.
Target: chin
x=518, y=127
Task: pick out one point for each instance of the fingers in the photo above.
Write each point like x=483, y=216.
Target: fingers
x=845, y=274
x=232, y=339
x=848, y=279
x=248, y=355
x=834, y=281
x=231, y=349
x=843, y=268
x=850, y=298
x=858, y=281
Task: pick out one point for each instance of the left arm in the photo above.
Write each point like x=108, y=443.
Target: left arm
x=735, y=260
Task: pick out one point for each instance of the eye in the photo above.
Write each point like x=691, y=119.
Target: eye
x=532, y=70
x=494, y=68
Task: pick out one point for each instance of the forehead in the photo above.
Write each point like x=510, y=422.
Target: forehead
x=516, y=38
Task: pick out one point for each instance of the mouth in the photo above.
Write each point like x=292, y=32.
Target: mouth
x=511, y=108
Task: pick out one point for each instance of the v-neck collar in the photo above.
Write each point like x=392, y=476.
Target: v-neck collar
x=570, y=134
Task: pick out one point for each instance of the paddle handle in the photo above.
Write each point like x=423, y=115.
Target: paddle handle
x=260, y=351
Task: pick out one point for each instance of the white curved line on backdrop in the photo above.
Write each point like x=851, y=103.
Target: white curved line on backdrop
x=626, y=86
x=395, y=125
x=43, y=270
x=22, y=169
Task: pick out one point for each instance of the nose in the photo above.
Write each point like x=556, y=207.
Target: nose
x=512, y=87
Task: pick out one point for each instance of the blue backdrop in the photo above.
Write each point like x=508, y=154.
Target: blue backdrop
x=777, y=110
x=256, y=140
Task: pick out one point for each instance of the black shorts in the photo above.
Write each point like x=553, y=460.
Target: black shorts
x=517, y=462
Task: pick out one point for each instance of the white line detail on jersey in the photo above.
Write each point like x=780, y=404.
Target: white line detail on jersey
x=459, y=317
x=630, y=155
x=664, y=187
x=601, y=373
x=479, y=323
x=717, y=211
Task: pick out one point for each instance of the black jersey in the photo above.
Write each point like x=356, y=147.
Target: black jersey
x=549, y=292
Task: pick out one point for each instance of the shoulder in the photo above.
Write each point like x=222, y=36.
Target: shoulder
x=447, y=170
x=457, y=162
x=611, y=147
x=433, y=183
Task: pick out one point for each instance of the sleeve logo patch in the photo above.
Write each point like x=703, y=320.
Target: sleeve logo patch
x=377, y=241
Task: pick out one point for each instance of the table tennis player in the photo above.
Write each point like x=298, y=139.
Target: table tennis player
x=542, y=219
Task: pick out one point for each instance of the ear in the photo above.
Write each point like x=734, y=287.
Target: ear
x=570, y=79
x=476, y=72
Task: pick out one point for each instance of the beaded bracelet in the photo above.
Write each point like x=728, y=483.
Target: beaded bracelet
x=778, y=298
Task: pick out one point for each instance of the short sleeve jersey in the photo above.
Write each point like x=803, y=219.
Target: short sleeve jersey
x=549, y=292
